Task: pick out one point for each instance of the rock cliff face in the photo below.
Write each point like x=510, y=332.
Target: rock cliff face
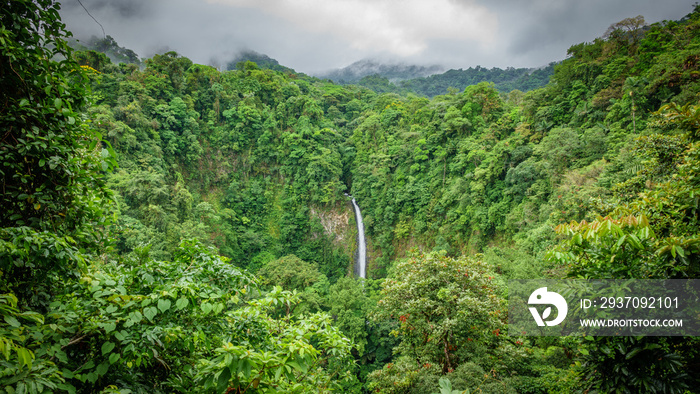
x=338, y=222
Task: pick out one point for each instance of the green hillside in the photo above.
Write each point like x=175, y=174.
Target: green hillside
x=505, y=81
x=175, y=228
x=523, y=79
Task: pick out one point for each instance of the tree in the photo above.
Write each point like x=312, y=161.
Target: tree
x=627, y=31
x=52, y=191
x=290, y=272
x=301, y=355
x=295, y=274
x=686, y=118
x=443, y=307
x=187, y=325
x=109, y=47
x=349, y=304
x=653, y=236
x=54, y=198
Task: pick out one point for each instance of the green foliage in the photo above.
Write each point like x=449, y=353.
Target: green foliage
x=221, y=157
x=609, y=248
x=446, y=387
x=628, y=364
x=290, y=272
x=380, y=84
x=507, y=80
x=350, y=307
x=653, y=236
x=510, y=79
x=55, y=203
x=109, y=47
x=513, y=263
x=253, y=163
x=139, y=325
x=158, y=326
x=301, y=356
x=447, y=311
x=144, y=323
x=685, y=118
x=22, y=368
x=97, y=61
x=54, y=197
x=406, y=376
x=260, y=60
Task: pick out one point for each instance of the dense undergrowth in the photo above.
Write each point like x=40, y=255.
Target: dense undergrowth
x=168, y=227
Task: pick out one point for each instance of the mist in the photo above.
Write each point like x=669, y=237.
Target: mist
x=315, y=36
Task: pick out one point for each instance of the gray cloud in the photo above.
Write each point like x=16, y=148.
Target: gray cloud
x=332, y=34
x=545, y=29
x=207, y=32
x=122, y=8
x=397, y=27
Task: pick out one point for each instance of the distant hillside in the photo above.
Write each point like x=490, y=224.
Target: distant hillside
x=424, y=81
x=262, y=60
x=381, y=78
x=523, y=79
x=353, y=73
x=108, y=46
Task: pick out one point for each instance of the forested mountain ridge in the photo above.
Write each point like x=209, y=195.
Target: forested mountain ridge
x=261, y=60
x=393, y=72
x=505, y=81
x=380, y=78
x=239, y=158
x=109, y=47
x=402, y=79
x=226, y=185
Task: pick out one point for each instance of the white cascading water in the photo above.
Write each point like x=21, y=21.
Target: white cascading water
x=361, y=248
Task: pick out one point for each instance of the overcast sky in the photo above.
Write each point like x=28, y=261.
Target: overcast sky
x=317, y=35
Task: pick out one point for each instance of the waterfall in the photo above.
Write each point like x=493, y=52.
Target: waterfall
x=360, y=264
